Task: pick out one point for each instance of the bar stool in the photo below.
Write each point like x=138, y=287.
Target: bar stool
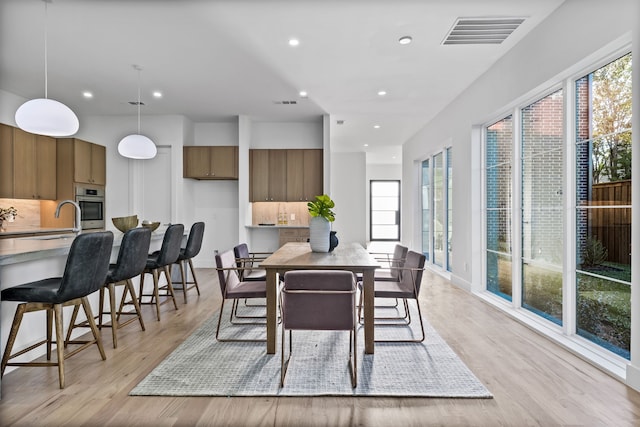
x=159, y=262
x=192, y=248
x=132, y=259
x=85, y=272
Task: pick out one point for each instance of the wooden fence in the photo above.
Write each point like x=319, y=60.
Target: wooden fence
x=612, y=226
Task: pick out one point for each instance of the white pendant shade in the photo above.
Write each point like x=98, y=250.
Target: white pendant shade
x=137, y=146
x=47, y=117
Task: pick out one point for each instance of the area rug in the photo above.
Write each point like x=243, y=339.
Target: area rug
x=202, y=366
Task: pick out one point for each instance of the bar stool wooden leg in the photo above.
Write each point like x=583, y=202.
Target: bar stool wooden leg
x=72, y=325
x=57, y=309
x=193, y=273
x=17, y=319
x=49, y=329
x=94, y=328
x=112, y=308
x=184, y=280
x=167, y=275
x=156, y=292
x=129, y=287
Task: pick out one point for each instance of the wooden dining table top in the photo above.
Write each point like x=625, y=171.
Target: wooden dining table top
x=347, y=256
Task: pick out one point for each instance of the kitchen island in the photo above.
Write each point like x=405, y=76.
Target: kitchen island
x=29, y=259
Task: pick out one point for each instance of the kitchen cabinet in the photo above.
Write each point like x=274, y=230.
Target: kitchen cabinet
x=210, y=162
x=89, y=161
x=304, y=175
x=28, y=164
x=285, y=175
x=268, y=175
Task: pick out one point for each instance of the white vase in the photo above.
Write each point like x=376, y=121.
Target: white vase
x=319, y=229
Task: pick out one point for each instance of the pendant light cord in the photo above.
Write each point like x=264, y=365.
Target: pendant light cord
x=139, y=70
x=46, y=70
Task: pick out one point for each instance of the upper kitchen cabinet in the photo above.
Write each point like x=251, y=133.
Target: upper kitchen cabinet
x=268, y=175
x=285, y=175
x=28, y=164
x=210, y=162
x=89, y=161
x=304, y=175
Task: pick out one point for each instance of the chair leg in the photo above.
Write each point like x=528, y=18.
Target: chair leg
x=184, y=281
x=353, y=356
x=17, y=319
x=170, y=291
x=193, y=274
x=92, y=325
x=57, y=309
x=129, y=286
x=284, y=365
x=112, y=311
x=72, y=324
x=49, y=329
x=156, y=292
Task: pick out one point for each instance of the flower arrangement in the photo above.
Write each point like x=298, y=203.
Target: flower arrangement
x=8, y=214
x=322, y=207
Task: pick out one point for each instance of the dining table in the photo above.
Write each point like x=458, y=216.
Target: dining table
x=299, y=256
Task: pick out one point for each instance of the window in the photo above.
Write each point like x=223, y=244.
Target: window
x=498, y=153
x=542, y=201
x=589, y=295
x=437, y=218
x=385, y=210
x=603, y=206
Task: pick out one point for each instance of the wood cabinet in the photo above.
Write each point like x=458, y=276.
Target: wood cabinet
x=210, y=162
x=287, y=235
x=268, y=175
x=304, y=175
x=285, y=175
x=28, y=164
x=89, y=161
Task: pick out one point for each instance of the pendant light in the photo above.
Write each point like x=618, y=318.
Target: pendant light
x=137, y=146
x=46, y=116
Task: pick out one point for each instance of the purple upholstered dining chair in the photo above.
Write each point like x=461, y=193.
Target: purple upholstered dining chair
x=319, y=300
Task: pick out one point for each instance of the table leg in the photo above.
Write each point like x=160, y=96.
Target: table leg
x=271, y=310
x=367, y=282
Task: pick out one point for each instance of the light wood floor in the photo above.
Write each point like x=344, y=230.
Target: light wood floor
x=535, y=382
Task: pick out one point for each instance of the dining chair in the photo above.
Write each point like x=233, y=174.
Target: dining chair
x=187, y=253
x=233, y=288
x=392, y=263
x=407, y=288
x=159, y=262
x=318, y=300
x=84, y=273
x=248, y=261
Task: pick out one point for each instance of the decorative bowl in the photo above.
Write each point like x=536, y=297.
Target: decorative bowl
x=151, y=225
x=125, y=223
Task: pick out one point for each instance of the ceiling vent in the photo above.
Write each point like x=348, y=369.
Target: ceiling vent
x=482, y=30
x=285, y=102
x=135, y=103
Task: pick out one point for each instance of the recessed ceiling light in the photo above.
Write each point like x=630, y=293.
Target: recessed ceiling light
x=294, y=42
x=405, y=40
x=157, y=94
x=376, y=126
x=303, y=93
x=87, y=94
x=365, y=145
x=382, y=92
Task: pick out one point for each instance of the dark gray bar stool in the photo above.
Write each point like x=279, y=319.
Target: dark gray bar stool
x=160, y=261
x=85, y=272
x=192, y=248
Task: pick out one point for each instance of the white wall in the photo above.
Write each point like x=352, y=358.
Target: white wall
x=348, y=191
x=286, y=134
x=558, y=43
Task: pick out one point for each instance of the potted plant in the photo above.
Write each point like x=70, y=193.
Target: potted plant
x=322, y=216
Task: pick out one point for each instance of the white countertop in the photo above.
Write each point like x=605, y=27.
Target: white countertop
x=21, y=249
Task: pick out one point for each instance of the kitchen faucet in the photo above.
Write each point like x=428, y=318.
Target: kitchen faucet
x=77, y=227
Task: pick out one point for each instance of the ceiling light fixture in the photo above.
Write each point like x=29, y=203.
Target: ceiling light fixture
x=157, y=94
x=382, y=92
x=376, y=126
x=303, y=93
x=46, y=116
x=405, y=40
x=87, y=94
x=294, y=42
x=137, y=146
x=365, y=145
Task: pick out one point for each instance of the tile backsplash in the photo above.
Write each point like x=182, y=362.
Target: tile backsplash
x=28, y=213
x=296, y=213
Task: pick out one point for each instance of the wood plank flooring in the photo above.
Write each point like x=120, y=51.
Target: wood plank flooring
x=535, y=382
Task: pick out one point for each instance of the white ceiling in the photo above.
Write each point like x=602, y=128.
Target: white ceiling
x=214, y=60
